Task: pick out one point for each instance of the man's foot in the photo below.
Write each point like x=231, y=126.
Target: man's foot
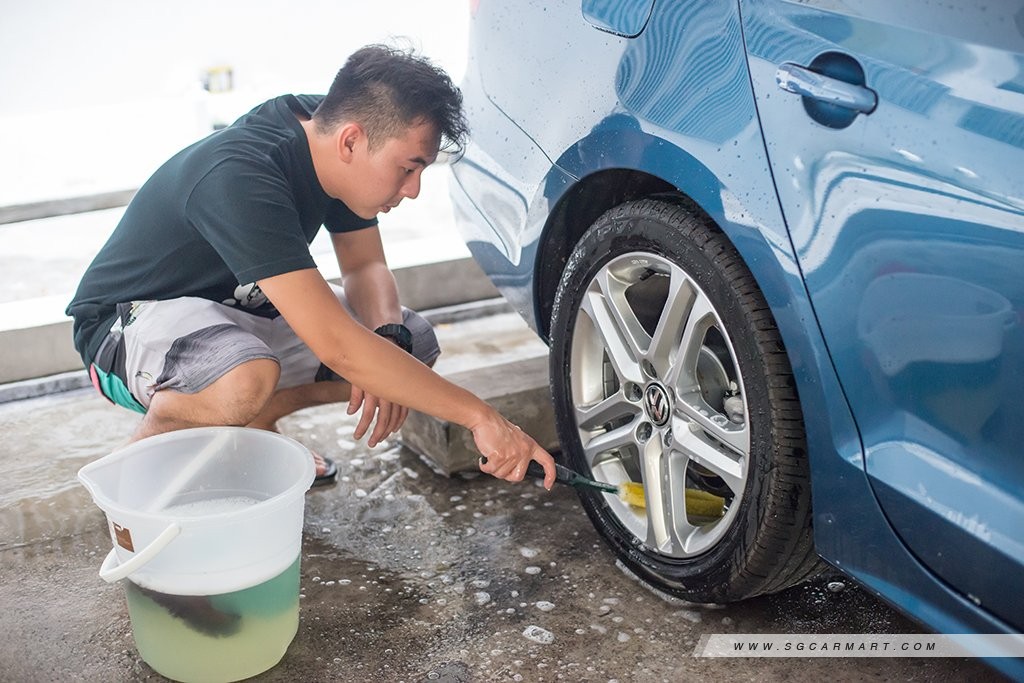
x=326, y=470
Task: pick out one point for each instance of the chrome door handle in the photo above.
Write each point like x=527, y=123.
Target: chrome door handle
x=802, y=81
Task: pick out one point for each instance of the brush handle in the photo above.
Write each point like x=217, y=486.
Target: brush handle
x=569, y=477
x=562, y=474
x=535, y=470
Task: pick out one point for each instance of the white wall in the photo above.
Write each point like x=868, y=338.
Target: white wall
x=94, y=94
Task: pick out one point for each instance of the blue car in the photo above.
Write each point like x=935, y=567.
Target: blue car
x=777, y=250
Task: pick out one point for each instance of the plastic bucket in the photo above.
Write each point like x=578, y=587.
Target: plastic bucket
x=207, y=527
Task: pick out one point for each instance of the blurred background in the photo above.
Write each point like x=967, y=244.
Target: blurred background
x=96, y=95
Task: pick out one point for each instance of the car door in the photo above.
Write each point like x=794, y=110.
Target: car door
x=895, y=132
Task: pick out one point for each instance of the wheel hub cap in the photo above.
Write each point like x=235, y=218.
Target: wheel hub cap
x=657, y=404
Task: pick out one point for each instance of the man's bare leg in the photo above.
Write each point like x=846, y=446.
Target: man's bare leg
x=244, y=396
x=235, y=399
x=287, y=401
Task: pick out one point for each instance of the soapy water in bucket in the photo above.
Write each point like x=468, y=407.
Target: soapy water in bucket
x=227, y=636
x=216, y=637
x=213, y=506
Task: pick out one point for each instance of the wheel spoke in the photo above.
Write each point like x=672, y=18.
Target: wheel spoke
x=724, y=462
x=668, y=528
x=659, y=514
x=611, y=440
x=614, y=323
x=614, y=407
x=614, y=291
x=692, y=408
x=665, y=341
x=683, y=370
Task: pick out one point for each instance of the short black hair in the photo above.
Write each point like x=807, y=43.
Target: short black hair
x=386, y=90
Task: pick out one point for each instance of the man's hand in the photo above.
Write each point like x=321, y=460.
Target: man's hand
x=508, y=451
x=390, y=416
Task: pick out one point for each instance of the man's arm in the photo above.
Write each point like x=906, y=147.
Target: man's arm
x=381, y=368
x=373, y=294
x=369, y=284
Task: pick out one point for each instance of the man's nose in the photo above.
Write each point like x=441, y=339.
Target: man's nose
x=411, y=188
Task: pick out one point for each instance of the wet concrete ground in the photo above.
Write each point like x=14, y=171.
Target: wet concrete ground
x=406, y=576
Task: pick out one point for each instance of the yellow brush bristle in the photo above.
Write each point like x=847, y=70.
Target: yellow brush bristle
x=633, y=493
x=703, y=504
x=698, y=503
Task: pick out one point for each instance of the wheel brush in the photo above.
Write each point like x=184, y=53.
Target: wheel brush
x=698, y=503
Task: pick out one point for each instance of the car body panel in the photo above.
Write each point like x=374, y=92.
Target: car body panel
x=620, y=17
x=562, y=107
x=909, y=228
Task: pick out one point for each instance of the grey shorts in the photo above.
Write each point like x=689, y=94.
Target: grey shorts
x=187, y=344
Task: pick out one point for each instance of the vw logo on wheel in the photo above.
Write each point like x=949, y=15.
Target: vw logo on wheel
x=657, y=405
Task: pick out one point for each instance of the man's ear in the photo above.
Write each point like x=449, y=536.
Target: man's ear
x=348, y=139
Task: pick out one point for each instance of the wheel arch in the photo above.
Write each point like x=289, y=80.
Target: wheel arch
x=619, y=163
x=577, y=209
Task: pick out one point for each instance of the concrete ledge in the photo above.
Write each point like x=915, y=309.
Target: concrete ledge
x=15, y=213
x=44, y=386
x=518, y=390
x=35, y=339
x=32, y=352
x=471, y=310
x=443, y=283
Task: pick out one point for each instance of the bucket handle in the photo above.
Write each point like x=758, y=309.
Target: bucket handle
x=112, y=571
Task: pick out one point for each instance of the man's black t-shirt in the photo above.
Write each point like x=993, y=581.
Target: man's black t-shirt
x=240, y=205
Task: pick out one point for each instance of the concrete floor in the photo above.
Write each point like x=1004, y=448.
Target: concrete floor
x=406, y=575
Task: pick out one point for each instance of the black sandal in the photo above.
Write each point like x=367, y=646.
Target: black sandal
x=329, y=476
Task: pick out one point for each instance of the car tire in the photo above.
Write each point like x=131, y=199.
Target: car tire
x=667, y=369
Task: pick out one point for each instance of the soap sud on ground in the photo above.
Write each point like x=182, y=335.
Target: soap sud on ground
x=538, y=635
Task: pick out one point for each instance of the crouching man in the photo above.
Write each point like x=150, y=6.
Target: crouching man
x=205, y=306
